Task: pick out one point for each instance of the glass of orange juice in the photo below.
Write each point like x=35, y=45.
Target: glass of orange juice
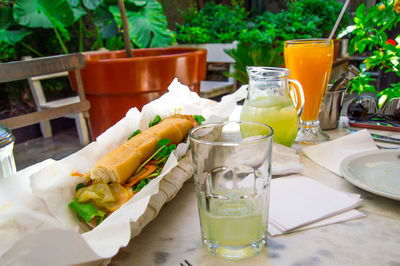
x=310, y=62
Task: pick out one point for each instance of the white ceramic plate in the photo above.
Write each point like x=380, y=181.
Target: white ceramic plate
x=374, y=171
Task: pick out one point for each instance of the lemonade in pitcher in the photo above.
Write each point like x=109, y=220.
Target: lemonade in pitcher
x=269, y=101
x=276, y=111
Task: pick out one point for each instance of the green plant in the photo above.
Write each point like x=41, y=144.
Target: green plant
x=147, y=23
x=323, y=14
x=262, y=43
x=7, y=51
x=48, y=27
x=7, y=33
x=369, y=34
x=215, y=23
x=77, y=21
x=250, y=54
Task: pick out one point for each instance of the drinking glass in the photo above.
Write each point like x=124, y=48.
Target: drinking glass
x=269, y=101
x=310, y=62
x=232, y=162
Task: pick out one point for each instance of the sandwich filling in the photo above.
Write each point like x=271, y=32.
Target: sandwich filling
x=126, y=170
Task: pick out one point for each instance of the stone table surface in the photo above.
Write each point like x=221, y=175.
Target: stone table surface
x=174, y=236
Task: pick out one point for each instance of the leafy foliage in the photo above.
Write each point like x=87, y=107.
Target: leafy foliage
x=50, y=27
x=10, y=37
x=261, y=43
x=218, y=23
x=252, y=54
x=7, y=51
x=42, y=13
x=362, y=83
x=90, y=23
x=45, y=14
x=322, y=13
x=369, y=34
x=148, y=25
x=214, y=23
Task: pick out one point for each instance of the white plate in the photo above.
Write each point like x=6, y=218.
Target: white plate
x=374, y=171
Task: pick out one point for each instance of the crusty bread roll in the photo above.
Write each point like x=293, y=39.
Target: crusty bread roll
x=121, y=163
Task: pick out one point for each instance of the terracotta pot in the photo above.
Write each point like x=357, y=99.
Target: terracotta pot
x=113, y=83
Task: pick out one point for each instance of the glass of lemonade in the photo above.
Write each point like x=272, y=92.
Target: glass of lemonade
x=269, y=101
x=232, y=162
x=310, y=62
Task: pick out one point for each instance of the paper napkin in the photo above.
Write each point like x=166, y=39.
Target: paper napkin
x=285, y=160
x=330, y=154
x=342, y=217
x=298, y=203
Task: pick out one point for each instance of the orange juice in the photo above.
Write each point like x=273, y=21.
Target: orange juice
x=310, y=63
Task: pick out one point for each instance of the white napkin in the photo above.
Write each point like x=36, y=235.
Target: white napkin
x=330, y=154
x=298, y=203
x=21, y=212
x=342, y=217
x=284, y=160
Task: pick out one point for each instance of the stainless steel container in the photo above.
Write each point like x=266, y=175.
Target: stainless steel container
x=7, y=163
x=330, y=109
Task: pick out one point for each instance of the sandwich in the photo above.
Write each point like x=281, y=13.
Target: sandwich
x=123, y=172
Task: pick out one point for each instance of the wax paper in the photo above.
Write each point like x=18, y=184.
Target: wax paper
x=38, y=228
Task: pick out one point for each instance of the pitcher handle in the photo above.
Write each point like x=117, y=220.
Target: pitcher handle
x=298, y=91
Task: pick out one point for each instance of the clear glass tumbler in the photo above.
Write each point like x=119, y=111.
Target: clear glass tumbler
x=310, y=62
x=7, y=163
x=232, y=162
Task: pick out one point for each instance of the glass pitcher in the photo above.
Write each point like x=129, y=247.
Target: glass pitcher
x=272, y=101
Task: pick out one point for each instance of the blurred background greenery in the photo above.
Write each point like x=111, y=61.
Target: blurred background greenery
x=47, y=27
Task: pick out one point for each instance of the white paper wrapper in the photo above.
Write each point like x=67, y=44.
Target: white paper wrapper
x=34, y=203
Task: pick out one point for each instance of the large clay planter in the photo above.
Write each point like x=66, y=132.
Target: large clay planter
x=113, y=83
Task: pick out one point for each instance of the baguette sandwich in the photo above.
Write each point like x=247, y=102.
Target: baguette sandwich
x=116, y=177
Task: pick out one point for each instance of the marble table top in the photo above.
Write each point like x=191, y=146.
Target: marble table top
x=174, y=236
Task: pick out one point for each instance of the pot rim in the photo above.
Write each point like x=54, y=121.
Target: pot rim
x=91, y=58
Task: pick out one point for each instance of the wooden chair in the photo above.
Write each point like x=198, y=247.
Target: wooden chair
x=43, y=67
x=42, y=104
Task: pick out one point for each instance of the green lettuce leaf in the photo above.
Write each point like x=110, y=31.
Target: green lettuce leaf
x=86, y=211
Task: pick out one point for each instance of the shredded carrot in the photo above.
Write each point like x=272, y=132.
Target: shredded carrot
x=76, y=174
x=153, y=162
x=191, y=118
x=150, y=168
